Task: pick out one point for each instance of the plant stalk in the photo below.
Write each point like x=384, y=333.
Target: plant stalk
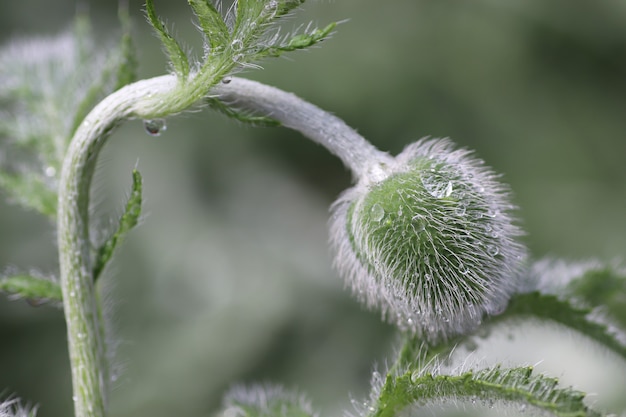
x=81, y=304
x=363, y=158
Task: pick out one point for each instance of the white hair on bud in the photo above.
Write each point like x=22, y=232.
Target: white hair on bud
x=265, y=400
x=13, y=408
x=434, y=244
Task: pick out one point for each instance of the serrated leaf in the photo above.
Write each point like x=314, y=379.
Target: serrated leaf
x=516, y=385
x=211, y=22
x=127, y=222
x=49, y=84
x=33, y=288
x=177, y=56
x=242, y=116
x=298, y=42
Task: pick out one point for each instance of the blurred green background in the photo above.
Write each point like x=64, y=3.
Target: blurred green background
x=229, y=278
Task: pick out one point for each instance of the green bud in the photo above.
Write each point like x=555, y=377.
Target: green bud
x=432, y=242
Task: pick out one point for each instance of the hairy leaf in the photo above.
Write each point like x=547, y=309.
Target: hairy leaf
x=211, y=22
x=129, y=220
x=301, y=41
x=127, y=68
x=31, y=287
x=176, y=54
x=567, y=313
x=31, y=191
x=516, y=385
x=241, y=116
x=49, y=85
x=603, y=287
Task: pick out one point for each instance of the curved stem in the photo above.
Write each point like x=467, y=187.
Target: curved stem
x=81, y=305
x=356, y=152
x=148, y=99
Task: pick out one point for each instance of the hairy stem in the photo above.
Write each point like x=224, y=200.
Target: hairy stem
x=148, y=99
x=80, y=302
x=356, y=152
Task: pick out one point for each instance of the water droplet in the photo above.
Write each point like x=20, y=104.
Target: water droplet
x=436, y=184
x=238, y=58
x=419, y=224
x=460, y=210
x=50, y=171
x=377, y=212
x=154, y=127
x=226, y=80
x=81, y=335
x=400, y=211
x=72, y=294
x=492, y=250
x=74, y=398
x=237, y=44
x=428, y=277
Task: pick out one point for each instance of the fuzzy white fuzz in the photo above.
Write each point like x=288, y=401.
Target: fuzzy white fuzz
x=433, y=244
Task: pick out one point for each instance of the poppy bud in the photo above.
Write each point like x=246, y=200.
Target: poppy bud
x=432, y=243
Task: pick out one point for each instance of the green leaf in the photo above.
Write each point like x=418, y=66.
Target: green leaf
x=33, y=288
x=127, y=67
x=128, y=221
x=567, y=313
x=242, y=116
x=286, y=6
x=603, y=287
x=212, y=23
x=177, y=56
x=30, y=191
x=305, y=40
x=297, y=42
x=515, y=385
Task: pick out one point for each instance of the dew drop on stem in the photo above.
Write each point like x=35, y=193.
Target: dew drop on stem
x=154, y=127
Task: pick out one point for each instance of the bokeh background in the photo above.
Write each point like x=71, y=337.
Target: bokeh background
x=229, y=278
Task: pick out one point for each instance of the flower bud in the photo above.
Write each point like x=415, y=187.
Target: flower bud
x=265, y=401
x=432, y=242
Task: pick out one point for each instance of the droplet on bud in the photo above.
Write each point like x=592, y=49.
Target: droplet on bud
x=377, y=212
x=154, y=127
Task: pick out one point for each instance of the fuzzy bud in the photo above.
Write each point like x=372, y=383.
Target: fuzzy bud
x=265, y=401
x=432, y=242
